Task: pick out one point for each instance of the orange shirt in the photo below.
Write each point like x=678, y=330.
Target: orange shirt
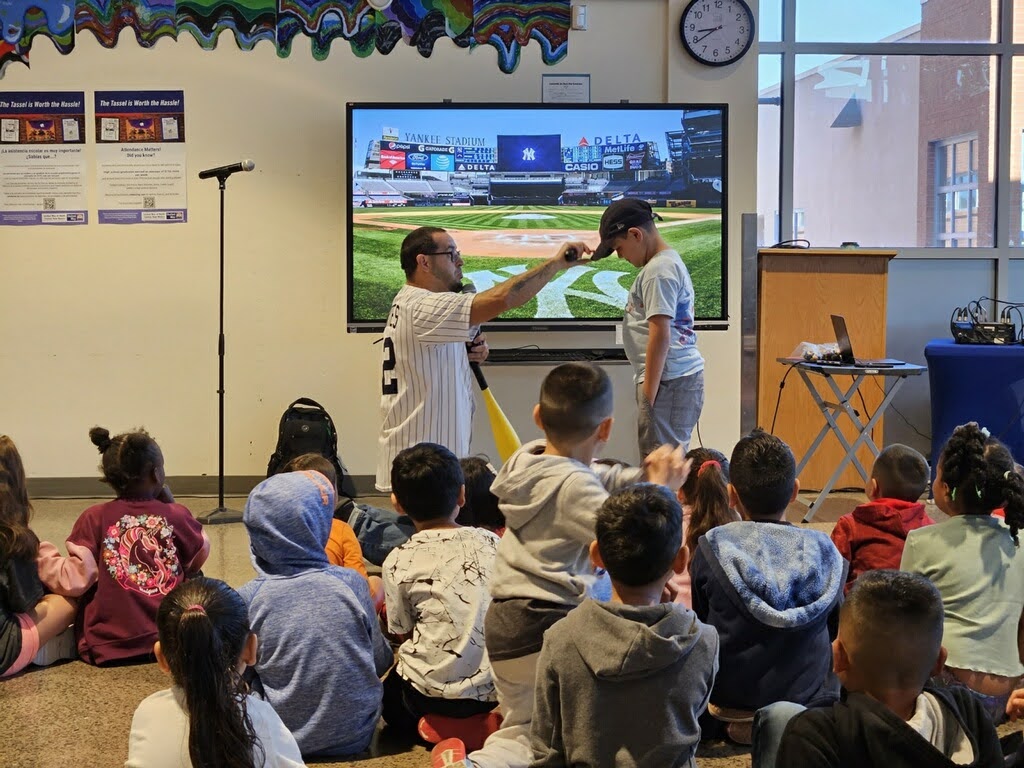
x=343, y=547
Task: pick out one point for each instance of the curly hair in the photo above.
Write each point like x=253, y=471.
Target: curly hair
x=127, y=458
x=980, y=473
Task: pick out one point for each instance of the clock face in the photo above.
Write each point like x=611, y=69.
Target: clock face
x=717, y=32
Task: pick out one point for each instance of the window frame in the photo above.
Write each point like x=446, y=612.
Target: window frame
x=1008, y=223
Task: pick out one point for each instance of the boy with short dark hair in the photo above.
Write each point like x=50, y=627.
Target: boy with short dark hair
x=632, y=676
x=889, y=645
x=872, y=537
x=549, y=492
x=768, y=587
x=435, y=587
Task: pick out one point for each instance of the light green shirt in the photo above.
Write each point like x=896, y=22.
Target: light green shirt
x=978, y=571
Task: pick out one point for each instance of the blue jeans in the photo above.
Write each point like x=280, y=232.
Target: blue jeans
x=769, y=724
x=379, y=531
x=674, y=414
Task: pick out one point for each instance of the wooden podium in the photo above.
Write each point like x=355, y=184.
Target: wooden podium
x=797, y=291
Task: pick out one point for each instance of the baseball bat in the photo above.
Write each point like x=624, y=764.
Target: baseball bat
x=505, y=437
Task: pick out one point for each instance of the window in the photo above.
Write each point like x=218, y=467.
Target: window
x=889, y=123
x=956, y=192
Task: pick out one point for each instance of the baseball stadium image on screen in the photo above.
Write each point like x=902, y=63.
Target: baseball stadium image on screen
x=512, y=182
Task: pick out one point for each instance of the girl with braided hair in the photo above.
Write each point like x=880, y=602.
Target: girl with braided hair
x=207, y=720
x=975, y=561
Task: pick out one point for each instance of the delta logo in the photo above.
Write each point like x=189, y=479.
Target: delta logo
x=583, y=142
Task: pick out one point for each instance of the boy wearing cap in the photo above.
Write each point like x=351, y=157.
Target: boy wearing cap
x=657, y=327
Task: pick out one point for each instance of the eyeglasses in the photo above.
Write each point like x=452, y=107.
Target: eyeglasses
x=452, y=253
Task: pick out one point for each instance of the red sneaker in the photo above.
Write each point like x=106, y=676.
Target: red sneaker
x=450, y=753
x=472, y=731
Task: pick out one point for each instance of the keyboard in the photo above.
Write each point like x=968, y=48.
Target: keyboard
x=556, y=356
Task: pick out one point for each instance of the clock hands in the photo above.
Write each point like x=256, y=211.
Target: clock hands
x=707, y=32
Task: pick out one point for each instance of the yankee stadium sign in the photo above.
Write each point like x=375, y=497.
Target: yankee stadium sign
x=438, y=139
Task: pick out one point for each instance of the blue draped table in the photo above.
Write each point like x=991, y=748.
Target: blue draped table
x=976, y=382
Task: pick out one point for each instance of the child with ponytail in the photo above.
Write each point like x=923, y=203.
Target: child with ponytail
x=125, y=555
x=29, y=618
x=975, y=562
x=705, y=500
x=207, y=720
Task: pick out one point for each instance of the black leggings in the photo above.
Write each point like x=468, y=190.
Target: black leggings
x=404, y=705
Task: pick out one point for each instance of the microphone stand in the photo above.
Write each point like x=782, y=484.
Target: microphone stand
x=221, y=514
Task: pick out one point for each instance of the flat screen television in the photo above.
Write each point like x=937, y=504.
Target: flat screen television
x=511, y=182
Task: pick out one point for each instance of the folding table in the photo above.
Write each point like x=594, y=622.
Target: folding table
x=842, y=404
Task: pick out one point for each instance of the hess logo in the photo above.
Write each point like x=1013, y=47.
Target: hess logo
x=529, y=155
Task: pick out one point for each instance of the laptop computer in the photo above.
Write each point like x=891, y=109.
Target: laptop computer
x=846, y=349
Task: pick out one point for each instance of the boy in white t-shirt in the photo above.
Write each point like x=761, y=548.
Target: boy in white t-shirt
x=436, y=594
x=658, y=334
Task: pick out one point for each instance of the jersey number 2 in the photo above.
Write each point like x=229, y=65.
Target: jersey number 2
x=389, y=381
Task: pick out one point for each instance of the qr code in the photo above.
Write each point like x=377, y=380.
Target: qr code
x=148, y=201
x=49, y=204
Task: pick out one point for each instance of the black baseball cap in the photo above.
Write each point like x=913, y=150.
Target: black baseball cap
x=618, y=218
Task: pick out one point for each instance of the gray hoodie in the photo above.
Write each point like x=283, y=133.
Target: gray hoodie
x=550, y=504
x=622, y=686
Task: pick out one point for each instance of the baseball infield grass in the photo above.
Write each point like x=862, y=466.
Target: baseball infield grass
x=378, y=274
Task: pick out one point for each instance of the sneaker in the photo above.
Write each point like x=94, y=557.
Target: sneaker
x=472, y=731
x=741, y=733
x=450, y=753
x=63, y=646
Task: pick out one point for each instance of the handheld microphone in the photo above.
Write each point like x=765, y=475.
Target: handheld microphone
x=226, y=170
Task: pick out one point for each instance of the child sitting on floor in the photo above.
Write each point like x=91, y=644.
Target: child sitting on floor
x=125, y=555
x=889, y=643
x=436, y=587
x=30, y=619
x=874, y=534
x=207, y=718
x=550, y=491
x=481, y=507
x=974, y=561
x=321, y=650
x=342, y=545
x=771, y=589
x=705, y=500
x=624, y=682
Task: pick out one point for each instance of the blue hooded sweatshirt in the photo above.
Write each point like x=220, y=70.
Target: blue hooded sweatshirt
x=321, y=652
x=773, y=592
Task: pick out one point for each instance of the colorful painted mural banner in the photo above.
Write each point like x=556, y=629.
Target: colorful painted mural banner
x=506, y=25
x=42, y=163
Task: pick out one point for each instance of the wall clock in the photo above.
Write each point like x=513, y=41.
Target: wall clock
x=717, y=32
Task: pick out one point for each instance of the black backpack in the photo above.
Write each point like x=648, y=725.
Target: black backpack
x=307, y=428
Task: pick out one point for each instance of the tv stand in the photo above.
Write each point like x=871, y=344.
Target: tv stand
x=534, y=356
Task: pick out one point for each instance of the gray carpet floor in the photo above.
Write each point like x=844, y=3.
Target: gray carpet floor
x=75, y=714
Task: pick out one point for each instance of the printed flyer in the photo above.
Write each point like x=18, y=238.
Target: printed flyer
x=42, y=160
x=140, y=157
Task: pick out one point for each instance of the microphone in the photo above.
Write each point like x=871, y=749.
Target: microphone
x=226, y=170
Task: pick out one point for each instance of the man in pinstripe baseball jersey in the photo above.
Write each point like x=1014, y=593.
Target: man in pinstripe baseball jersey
x=426, y=384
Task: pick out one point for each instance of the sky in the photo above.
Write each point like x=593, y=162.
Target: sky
x=831, y=21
